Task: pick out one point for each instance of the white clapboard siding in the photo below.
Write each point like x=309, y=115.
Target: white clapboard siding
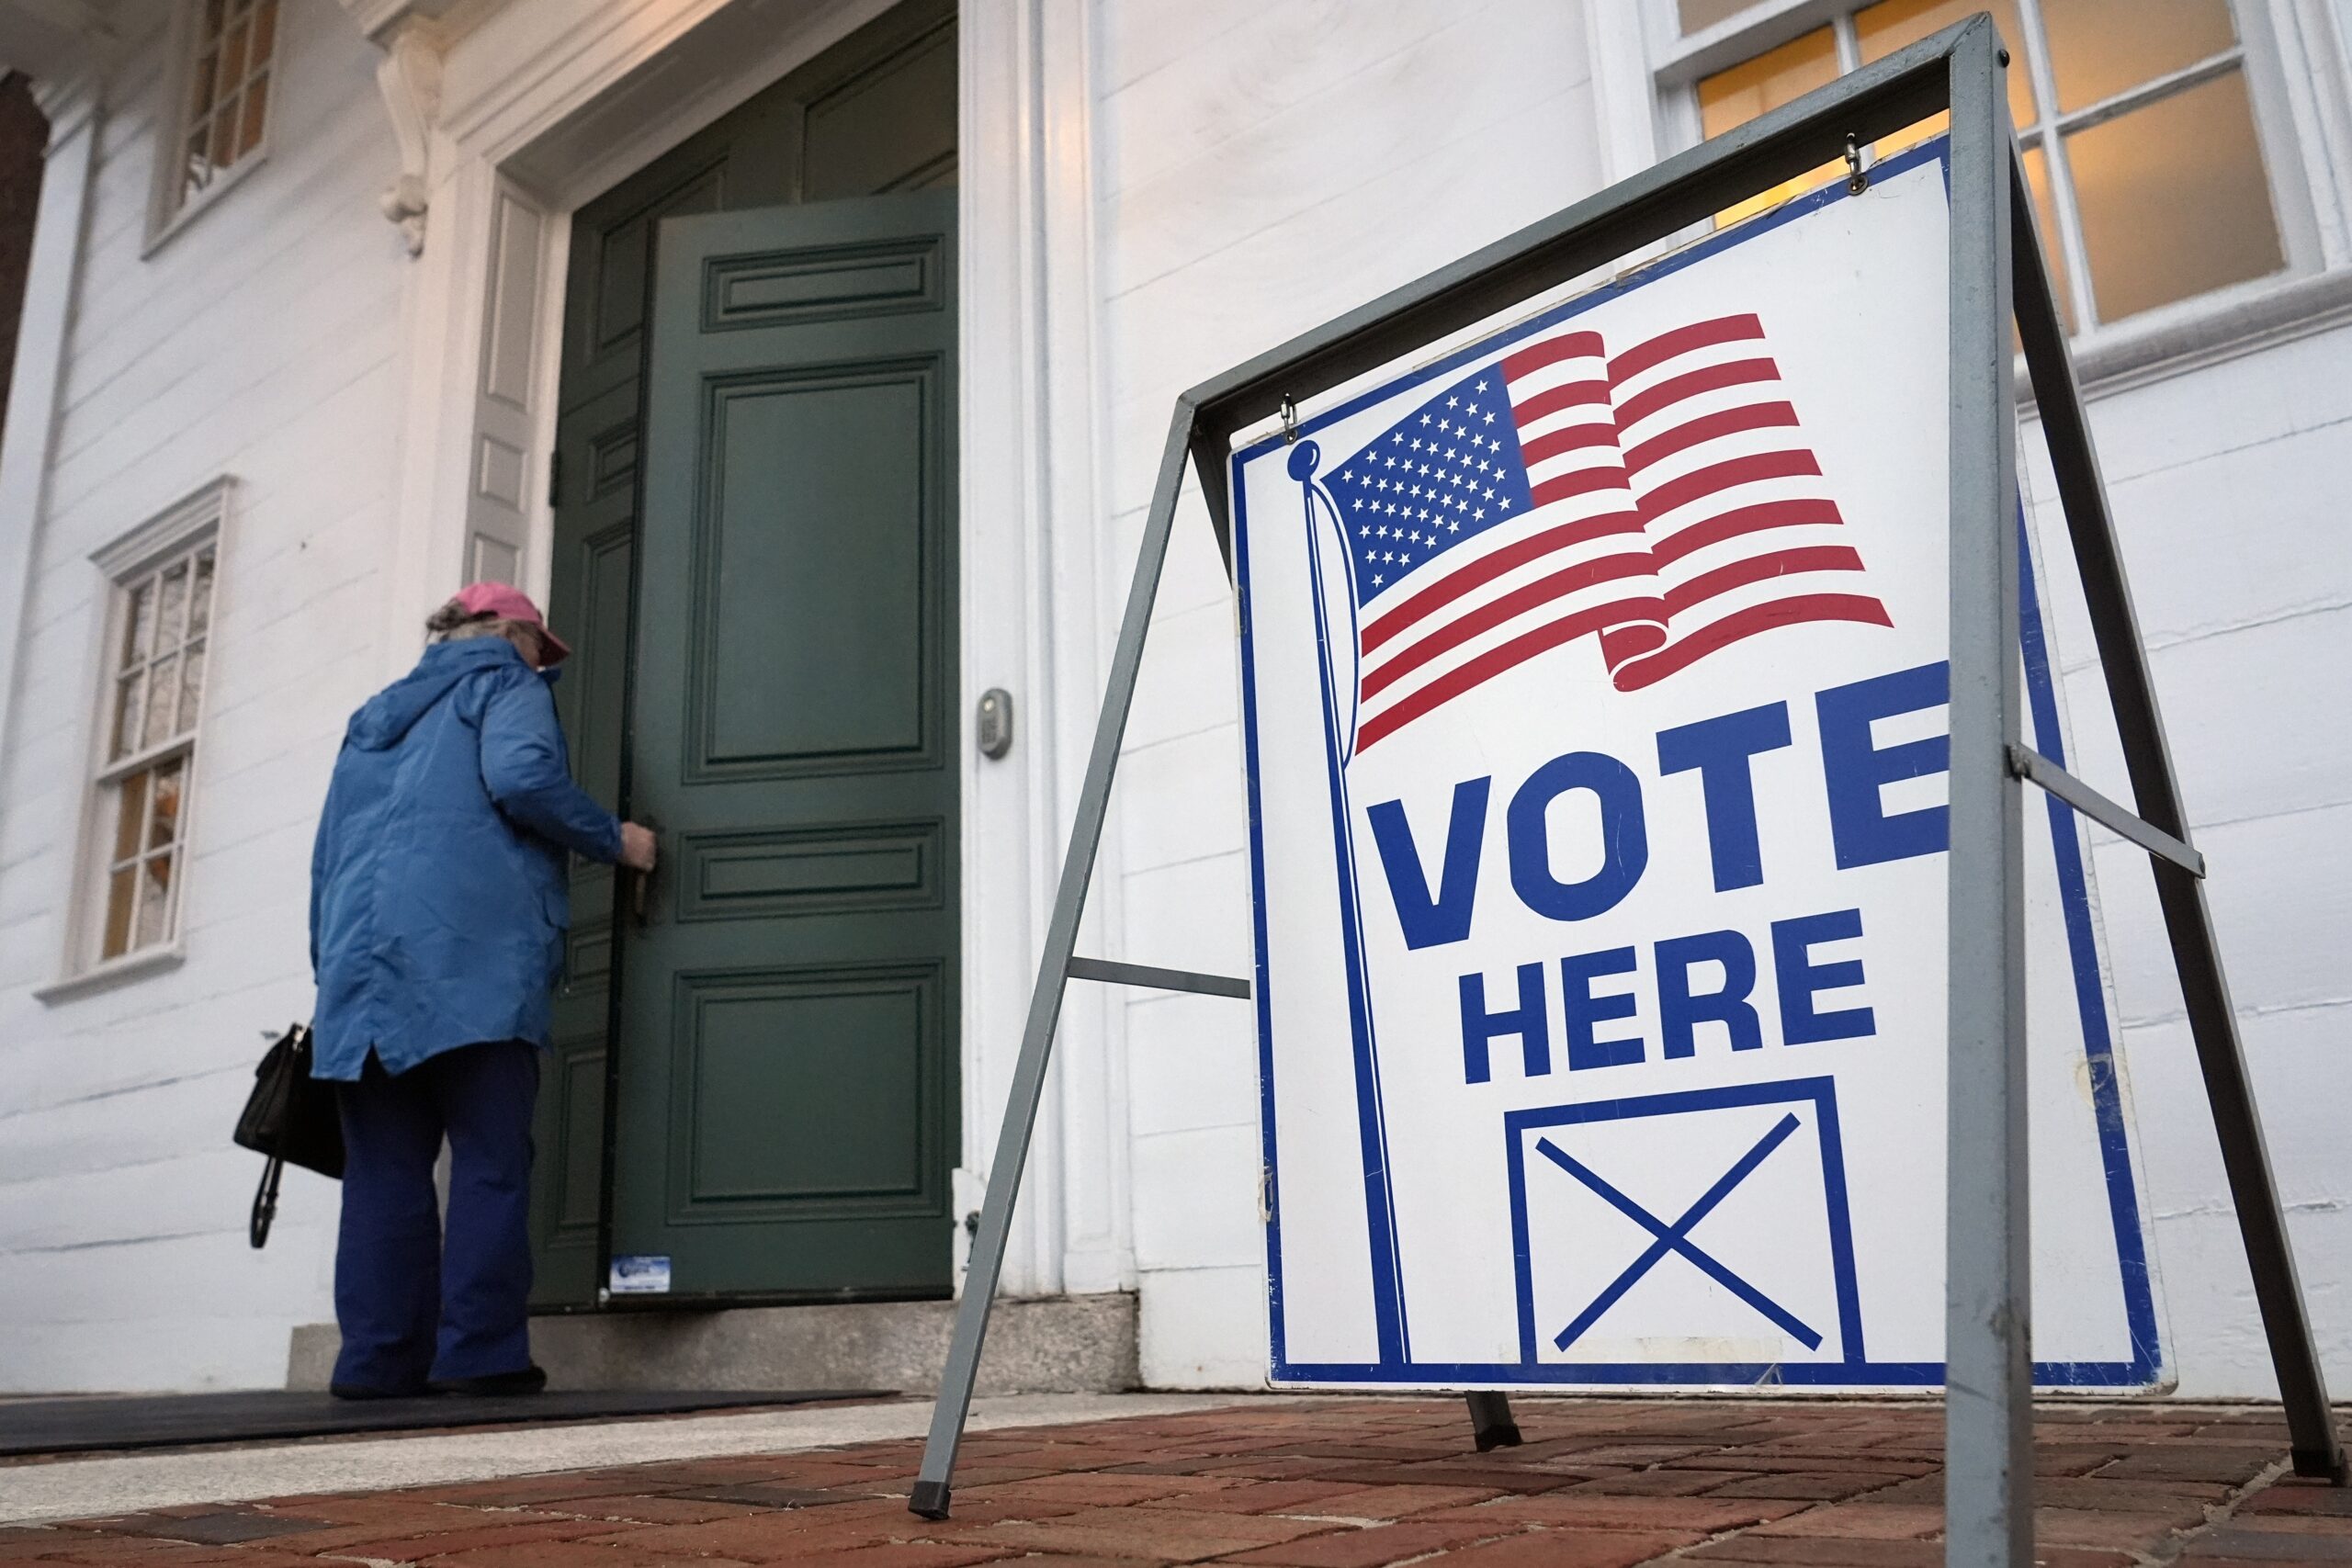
x=260, y=341
x=1261, y=171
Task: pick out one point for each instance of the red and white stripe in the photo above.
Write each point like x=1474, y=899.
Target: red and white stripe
x=1742, y=536
x=1576, y=561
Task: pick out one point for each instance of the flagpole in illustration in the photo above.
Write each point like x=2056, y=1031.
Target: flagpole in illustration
x=1339, y=715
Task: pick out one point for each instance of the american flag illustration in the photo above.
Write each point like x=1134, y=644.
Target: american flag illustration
x=1661, y=500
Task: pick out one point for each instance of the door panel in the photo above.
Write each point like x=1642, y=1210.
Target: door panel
x=788, y=1072
x=875, y=113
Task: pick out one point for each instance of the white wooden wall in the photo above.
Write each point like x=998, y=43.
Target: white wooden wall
x=259, y=341
x=1262, y=167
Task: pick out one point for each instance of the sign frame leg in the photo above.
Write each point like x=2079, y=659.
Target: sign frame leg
x=932, y=1491
x=2317, y=1448
x=1988, y=1383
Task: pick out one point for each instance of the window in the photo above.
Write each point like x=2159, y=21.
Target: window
x=158, y=636
x=228, y=49
x=2138, y=120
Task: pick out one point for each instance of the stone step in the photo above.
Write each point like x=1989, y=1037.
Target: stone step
x=1046, y=1345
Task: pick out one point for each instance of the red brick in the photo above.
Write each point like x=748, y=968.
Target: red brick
x=568, y=1554
x=1585, y=1511
x=655, y=1510
x=1376, y=1546
x=1660, y=1483
x=1861, y=1521
x=2112, y=1531
x=1818, y=1552
x=1816, y=1486
x=2272, y=1546
x=1242, y=1497
x=903, y=1554
x=2298, y=1496
x=1161, y=1535
x=2230, y=1464
x=1560, y=1549
x=1092, y=1489
x=1389, y=1503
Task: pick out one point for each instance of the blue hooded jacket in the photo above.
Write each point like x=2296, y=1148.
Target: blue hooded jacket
x=439, y=888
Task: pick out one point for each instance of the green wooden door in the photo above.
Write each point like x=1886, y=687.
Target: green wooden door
x=875, y=113
x=783, y=1131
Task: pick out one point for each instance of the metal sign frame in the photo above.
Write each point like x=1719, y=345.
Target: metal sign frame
x=1988, y=1397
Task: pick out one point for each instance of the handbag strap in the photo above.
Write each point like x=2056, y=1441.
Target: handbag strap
x=265, y=1202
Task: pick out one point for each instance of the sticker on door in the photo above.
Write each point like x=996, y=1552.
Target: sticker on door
x=641, y=1274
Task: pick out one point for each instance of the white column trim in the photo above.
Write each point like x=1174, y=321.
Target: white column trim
x=52, y=279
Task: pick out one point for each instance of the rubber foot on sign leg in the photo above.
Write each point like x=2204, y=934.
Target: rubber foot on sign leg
x=1502, y=1435
x=2323, y=1466
x=929, y=1500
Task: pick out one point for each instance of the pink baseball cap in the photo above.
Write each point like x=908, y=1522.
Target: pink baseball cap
x=510, y=604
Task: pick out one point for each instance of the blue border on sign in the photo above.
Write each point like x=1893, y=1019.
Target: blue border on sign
x=2074, y=895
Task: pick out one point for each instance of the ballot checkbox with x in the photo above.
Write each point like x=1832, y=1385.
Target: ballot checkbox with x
x=1708, y=1227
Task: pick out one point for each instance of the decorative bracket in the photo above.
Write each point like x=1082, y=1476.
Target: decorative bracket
x=409, y=78
x=412, y=37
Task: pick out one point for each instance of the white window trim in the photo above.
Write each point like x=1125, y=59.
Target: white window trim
x=195, y=518
x=2302, y=118
x=166, y=215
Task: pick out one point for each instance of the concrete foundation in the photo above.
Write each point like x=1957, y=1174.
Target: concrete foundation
x=1052, y=1345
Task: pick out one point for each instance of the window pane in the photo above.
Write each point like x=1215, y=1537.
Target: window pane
x=2053, y=253
x=163, y=822
x=1698, y=16
x=232, y=59
x=2173, y=200
x=130, y=815
x=200, y=87
x=2099, y=48
x=162, y=711
x=121, y=887
x=265, y=31
x=172, y=628
x=224, y=138
x=199, y=609
x=1885, y=28
x=130, y=713
x=256, y=108
x=197, y=172
x=191, y=685
x=1734, y=98
x=138, y=624
x=154, y=900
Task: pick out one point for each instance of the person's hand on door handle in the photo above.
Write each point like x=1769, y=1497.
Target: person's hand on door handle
x=639, y=846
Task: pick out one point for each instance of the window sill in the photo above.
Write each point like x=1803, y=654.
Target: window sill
x=2219, y=329
x=164, y=230
x=114, y=972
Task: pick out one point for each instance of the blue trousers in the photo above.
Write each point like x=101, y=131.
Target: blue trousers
x=412, y=1303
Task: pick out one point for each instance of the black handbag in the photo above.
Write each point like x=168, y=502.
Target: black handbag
x=290, y=1117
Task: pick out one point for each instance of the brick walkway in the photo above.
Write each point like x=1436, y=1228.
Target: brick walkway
x=1323, y=1484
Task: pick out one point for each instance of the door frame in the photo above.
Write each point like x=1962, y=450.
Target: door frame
x=526, y=116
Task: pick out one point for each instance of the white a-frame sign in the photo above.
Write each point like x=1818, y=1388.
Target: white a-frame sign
x=1593, y=683
x=1665, y=976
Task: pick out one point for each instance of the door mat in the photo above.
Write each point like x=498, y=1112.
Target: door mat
x=171, y=1420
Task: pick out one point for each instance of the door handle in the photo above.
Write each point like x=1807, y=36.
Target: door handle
x=640, y=890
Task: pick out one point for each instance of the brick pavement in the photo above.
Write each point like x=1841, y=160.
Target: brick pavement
x=1324, y=1483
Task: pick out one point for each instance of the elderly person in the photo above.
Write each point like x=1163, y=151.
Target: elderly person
x=439, y=902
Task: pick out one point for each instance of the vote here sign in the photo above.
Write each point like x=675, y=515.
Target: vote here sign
x=1594, y=680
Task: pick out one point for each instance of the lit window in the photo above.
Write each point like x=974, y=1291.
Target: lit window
x=224, y=106
x=2136, y=118
x=159, y=631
